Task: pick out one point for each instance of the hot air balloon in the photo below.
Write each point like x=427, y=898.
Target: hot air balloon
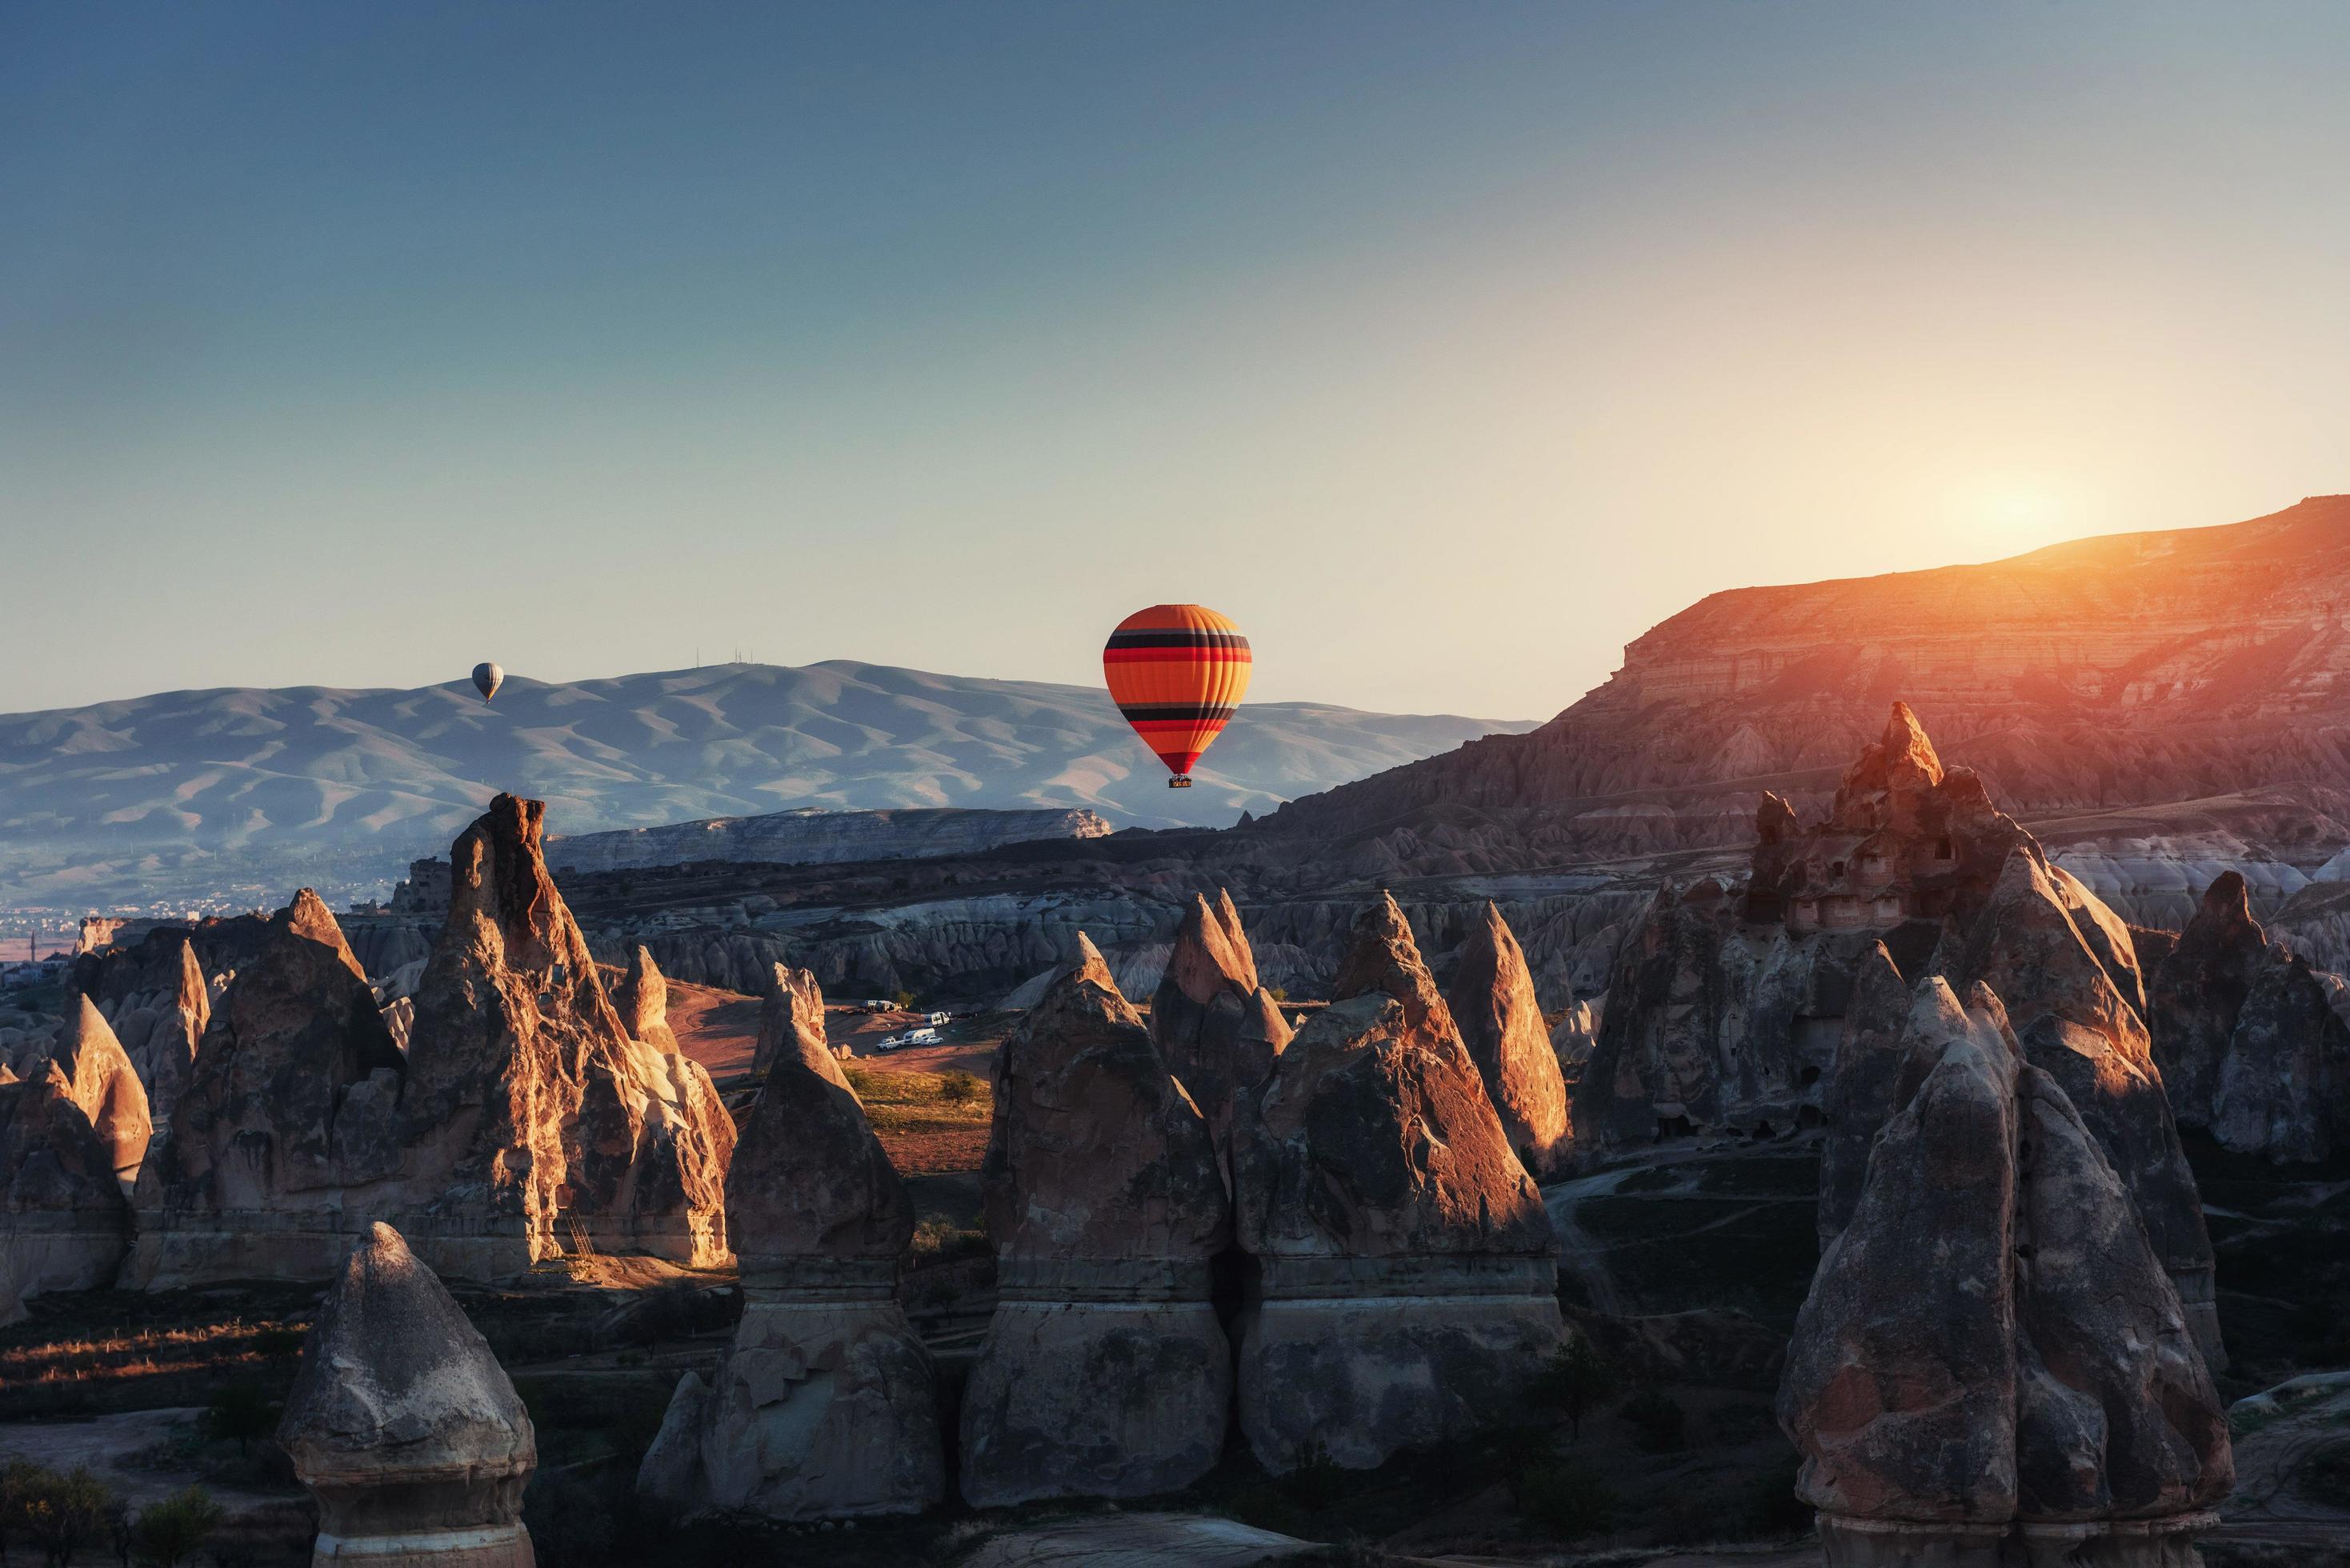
x=487, y=679
x=1176, y=672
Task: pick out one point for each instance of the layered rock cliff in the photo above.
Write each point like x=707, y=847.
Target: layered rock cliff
x=2135, y=668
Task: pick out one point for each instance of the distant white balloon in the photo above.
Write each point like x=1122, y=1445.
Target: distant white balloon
x=487, y=679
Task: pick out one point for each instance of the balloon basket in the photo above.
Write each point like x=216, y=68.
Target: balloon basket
x=1180, y=781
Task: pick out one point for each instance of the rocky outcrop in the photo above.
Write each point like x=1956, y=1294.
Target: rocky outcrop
x=402, y=1425
x=1883, y=1037
x=154, y=998
x=522, y=1117
x=2197, y=991
x=815, y=836
x=2284, y=1087
x=2248, y=1042
x=292, y=1104
x=100, y=1076
x=825, y=1405
x=1106, y=1371
x=791, y=1019
x=1408, y=1272
x=64, y=1223
x=1991, y=1363
x=1218, y=1030
x=2057, y=974
x=642, y=999
x=1492, y=1001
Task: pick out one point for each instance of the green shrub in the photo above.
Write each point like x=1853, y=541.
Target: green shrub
x=168, y=1534
x=958, y=1087
x=1316, y=1482
x=67, y=1512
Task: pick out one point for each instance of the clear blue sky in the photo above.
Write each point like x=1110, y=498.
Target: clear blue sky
x=1445, y=346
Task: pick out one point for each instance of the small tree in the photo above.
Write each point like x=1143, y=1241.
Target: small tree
x=958, y=1087
x=905, y=999
x=241, y=1413
x=1659, y=1423
x=169, y=1532
x=19, y=1479
x=69, y=1512
x=1574, y=1378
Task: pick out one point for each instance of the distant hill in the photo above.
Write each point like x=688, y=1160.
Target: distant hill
x=241, y=792
x=2204, y=664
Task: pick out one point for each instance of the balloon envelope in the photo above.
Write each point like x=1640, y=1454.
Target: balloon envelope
x=487, y=679
x=1176, y=672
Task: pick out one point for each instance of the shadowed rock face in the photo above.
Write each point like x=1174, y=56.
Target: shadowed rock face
x=642, y=1002
x=404, y=1427
x=1492, y=1001
x=2249, y=1044
x=62, y=1220
x=294, y=1097
x=1993, y=1363
x=825, y=1405
x=1407, y=1267
x=2197, y=991
x=1218, y=1029
x=791, y=1021
x=2077, y=1025
x=1106, y=1371
x=2283, y=1088
x=105, y=1085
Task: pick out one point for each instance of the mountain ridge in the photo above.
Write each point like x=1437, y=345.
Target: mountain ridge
x=225, y=788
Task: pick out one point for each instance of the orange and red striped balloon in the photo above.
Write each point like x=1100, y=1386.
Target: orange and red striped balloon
x=1177, y=672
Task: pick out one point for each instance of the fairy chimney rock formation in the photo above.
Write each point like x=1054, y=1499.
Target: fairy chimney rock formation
x=526, y=1096
x=2246, y=1040
x=790, y=1020
x=1492, y=1002
x=642, y=999
x=1409, y=1279
x=64, y=1225
x=825, y=1405
x=1991, y=1364
x=293, y=1102
x=2063, y=983
x=100, y=1076
x=521, y=1120
x=154, y=998
x=1106, y=1371
x=403, y=1425
x=1217, y=1028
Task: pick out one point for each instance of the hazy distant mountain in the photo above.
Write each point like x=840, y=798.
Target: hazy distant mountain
x=240, y=790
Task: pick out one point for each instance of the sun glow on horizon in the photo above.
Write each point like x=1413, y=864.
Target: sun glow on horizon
x=2001, y=516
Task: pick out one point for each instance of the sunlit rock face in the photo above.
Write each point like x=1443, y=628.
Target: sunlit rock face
x=642, y=999
x=826, y=1405
x=1992, y=1367
x=521, y=1122
x=523, y=1093
x=1106, y=1371
x=1408, y=1271
x=1493, y=1004
x=402, y=1425
x=106, y=1086
x=64, y=1223
x=791, y=1019
x=2249, y=1037
x=1218, y=1029
x=155, y=999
